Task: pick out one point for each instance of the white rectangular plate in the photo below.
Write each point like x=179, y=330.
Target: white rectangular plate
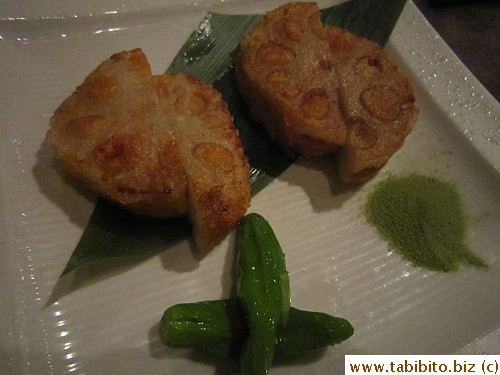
x=104, y=319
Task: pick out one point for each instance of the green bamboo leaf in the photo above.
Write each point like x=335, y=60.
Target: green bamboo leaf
x=115, y=233
x=267, y=161
x=208, y=54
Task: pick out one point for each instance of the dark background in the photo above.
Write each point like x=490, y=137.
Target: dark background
x=472, y=30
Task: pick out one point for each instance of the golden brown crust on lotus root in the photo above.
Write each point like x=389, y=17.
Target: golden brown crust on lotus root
x=285, y=74
x=377, y=101
x=163, y=146
x=217, y=170
x=321, y=90
x=111, y=133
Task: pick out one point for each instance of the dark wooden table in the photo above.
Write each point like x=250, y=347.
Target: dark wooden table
x=472, y=30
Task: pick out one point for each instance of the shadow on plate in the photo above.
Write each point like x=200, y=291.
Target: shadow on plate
x=64, y=191
x=318, y=179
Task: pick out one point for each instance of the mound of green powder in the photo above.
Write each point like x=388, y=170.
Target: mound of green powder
x=423, y=220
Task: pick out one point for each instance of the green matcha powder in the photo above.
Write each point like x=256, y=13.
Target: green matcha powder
x=422, y=219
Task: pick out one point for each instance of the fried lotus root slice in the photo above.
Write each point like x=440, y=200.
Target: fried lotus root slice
x=112, y=134
x=377, y=101
x=216, y=166
x=284, y=72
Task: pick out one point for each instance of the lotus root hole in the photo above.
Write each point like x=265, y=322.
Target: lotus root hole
x=369, y=67
x=361, y=135
x=381, y=102
x=274, y=54
x=217, y=157
x=192, y=102
x=315, y=105
x=290, y=30
x=277, y=77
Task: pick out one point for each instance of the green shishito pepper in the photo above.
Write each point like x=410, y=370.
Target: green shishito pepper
x=263, y=290
x=260, y=324
x=219, y=328
x=215, y=327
